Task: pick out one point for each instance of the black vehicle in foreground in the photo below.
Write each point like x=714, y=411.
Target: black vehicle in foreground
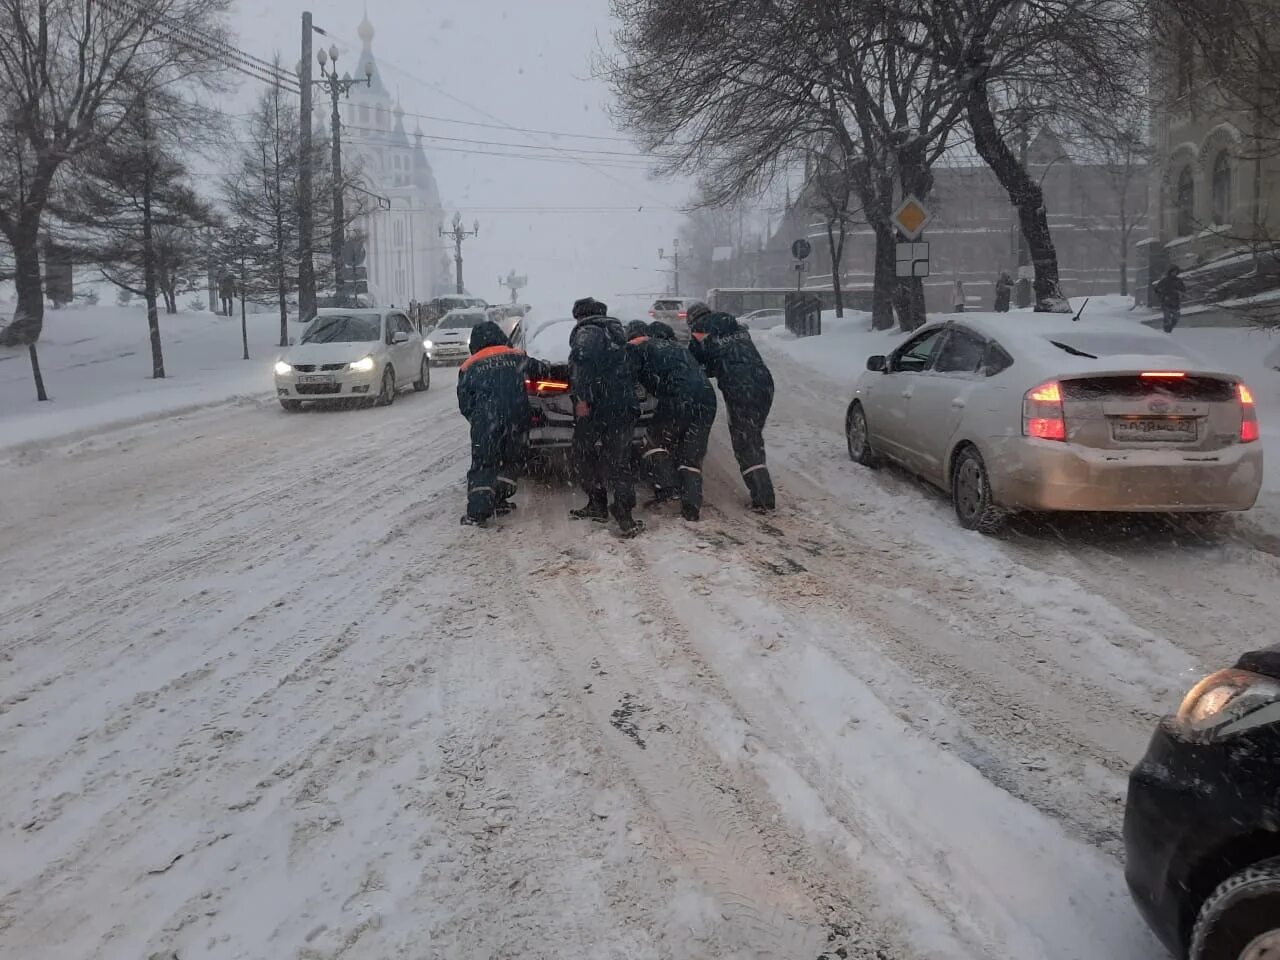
x=1202, y=825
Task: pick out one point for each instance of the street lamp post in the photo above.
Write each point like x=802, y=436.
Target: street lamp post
x=457, y=233
x=338, y=87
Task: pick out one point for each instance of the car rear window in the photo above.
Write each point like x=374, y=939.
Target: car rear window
x=1129, y=387
x=667, y=306
x=1095, y=345
x=551, y=342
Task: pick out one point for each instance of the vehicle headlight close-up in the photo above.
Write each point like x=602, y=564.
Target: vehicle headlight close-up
x=283, y=368
x=1229, y=699
x=363, y=365
x=428, y=344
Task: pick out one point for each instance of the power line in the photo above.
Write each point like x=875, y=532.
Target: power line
x=501, y=143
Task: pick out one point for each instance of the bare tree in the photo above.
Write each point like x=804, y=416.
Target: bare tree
x=70, y=73
x=831, y=196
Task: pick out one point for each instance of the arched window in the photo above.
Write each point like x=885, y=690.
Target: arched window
x=1185, y=202
x=1221, y=187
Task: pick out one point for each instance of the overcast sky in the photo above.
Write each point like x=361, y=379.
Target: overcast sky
x=521, y=64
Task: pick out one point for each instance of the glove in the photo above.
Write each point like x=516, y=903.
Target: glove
x=581, y=408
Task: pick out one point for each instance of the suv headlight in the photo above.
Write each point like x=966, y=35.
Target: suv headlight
x=282, y=368
x=428, y=344
x=363, y=365
x=1221, y=701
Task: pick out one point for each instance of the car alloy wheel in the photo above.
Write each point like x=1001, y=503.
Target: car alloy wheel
x=971, y=493
x=860, y=450
x=387, y=394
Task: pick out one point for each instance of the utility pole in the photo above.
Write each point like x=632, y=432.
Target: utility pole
x=457, y=234
x=675, y=263
x=306, y=268
x=337, y=87
x=513, y=283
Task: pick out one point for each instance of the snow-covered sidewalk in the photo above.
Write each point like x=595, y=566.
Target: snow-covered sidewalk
x=96, y=363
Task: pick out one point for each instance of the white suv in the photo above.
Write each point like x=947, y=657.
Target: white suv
x=343, y=354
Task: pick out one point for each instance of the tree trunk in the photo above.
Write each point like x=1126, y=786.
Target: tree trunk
x=1124, y=274
x=837, y=254
x=1025, y=194
x=150, y=280
x=28, y=318
x=886, y=277
x=244, y=323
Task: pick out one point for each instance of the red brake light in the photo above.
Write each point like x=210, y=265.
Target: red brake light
x=1042, y=415
x=652, y=314
x=541, y=388
x=683, y=315
x=1164, y=374
x=1249, y=431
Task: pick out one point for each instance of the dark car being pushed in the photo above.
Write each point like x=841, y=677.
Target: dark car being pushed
x=1202, y=825
x=551, y=433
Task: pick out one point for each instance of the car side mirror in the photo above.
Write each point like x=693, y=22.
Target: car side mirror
x=877, y=364
x=399, y=337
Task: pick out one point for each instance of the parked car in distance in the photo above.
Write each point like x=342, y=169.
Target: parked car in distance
x=551, y=431
x=1017, y=412
x=1202, y=821
x=675, y=313
x=449, y=341
x=346, y=354
x=765, y=319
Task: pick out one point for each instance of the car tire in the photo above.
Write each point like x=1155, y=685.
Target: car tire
x=1240, y=920
x=424, y=376
x=858, y=439
x=387, y=392
x=291, y=406
x=971, y=493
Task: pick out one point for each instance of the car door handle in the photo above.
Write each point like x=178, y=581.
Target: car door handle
x=958, y=403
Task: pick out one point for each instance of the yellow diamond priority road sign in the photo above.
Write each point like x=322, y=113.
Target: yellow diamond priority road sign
x=911, y=218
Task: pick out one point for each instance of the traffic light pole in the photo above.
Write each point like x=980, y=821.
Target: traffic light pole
x=306, y=268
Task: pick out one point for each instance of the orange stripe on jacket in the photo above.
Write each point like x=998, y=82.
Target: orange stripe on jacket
x=488, y=352
x=637, y=340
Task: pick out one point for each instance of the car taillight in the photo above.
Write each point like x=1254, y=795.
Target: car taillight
x=652, y=314
x=1164, y=374
x=1248, y=414
x=543, y=388
x=683, y=314
x=1042, y=415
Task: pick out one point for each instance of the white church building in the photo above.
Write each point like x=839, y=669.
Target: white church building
x=404, y=252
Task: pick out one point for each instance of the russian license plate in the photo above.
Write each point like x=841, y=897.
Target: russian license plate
x=316, y=378
x=1154, y=429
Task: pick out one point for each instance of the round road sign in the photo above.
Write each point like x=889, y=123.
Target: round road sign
x=801, y=249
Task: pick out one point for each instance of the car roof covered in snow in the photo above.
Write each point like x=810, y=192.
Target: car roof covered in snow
x=1057, y=344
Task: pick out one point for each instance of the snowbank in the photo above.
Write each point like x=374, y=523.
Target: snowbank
x=96, y=362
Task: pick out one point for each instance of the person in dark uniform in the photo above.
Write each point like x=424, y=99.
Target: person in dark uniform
x=491, y=395
x=681, y=424
x=602, y=381
x=1004, y=289
x=1169, y=290
x=724, y=348
x=227, y=292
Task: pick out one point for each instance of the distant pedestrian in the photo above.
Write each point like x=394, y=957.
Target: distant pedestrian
x=1170, y=289
x=957, y=296
x=227, y=292
x=1004, y=291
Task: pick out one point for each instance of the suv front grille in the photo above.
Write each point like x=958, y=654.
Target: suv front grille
x=305, y=367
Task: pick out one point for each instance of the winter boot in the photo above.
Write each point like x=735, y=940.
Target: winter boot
x=503, y=507
x=760, y=484
x=597, y=510
x=691, y=513
x=469, y=521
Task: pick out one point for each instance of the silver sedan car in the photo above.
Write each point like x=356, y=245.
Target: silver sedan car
x=1038, y=413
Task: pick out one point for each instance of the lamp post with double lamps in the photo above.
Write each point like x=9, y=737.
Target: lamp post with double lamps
x=338, y=87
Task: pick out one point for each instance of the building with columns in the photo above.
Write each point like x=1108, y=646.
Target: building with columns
x=404, y=250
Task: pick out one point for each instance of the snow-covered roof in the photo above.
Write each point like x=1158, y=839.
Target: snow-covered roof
x=1040, y=338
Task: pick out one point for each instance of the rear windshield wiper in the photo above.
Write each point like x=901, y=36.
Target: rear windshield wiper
x=1072, y=350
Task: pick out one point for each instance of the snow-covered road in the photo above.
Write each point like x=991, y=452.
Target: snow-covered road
x=262, y=697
